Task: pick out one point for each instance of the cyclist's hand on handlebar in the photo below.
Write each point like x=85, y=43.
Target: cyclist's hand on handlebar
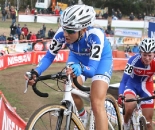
x=70, y=71
x=31, y=77
x=76, y=69
x=119, y=101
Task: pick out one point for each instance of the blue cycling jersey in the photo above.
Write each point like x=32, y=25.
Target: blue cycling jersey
x=90, y=50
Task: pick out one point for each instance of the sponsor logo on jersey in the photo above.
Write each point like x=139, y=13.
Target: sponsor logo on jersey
x=149, y=73
x=138, y=71
x=87, y=68
x=85, y=50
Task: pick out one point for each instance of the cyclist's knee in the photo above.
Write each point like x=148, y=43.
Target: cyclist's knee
x=129, y=107
x=97, y=106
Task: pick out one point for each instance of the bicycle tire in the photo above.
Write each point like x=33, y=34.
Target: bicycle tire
x=113, y=113
x=142, y=123
x=46, y=118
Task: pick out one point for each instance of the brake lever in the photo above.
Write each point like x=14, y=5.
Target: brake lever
x=28, y=74
x=26, y=86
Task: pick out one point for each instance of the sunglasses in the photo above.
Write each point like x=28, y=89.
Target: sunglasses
x=69, y=31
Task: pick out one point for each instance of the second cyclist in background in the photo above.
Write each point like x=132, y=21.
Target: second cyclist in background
x=138, y=80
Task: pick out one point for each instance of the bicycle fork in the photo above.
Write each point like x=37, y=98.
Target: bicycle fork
x=92, y=121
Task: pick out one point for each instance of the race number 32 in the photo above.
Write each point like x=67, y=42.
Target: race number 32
x=128, y=69
x=55, y=47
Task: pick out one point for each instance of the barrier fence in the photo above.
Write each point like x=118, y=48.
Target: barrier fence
x=9, y=119
x=34, y=57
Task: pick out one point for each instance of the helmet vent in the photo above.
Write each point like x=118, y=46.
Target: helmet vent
x=153, y=49
x=146, y=47
x=87, y=10
x=80, y=12
x=72, y=18
x=149, y=47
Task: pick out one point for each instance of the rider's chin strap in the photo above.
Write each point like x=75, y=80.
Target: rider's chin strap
x=80, y=37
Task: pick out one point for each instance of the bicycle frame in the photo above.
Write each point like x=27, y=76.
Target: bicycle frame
x=68, y=98
x=70, y=106
x=137, y=113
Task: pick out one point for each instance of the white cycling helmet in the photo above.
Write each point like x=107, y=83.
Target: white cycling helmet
x=77, y=17
x=147, y=45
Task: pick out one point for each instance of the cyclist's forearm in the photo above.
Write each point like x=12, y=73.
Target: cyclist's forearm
x=44, y=63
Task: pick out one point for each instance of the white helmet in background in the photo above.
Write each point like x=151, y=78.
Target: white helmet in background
x=77, y=17
x=147, y=45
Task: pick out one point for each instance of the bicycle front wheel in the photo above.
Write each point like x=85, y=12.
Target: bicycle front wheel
x=113, y=113
x=142, y=123
x=48, y=117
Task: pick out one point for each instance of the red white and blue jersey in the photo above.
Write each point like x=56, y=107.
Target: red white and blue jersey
x=138, y=78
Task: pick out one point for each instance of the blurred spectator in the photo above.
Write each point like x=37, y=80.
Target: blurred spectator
x=16, y=13
x=119, y=15
x=13, y=28
x=114, y=17
x=42, y=33
x=135, y=48
x=32, y=11
x=13, y=14
x=51, y=33
x=3, y=39
x=4, y=14
x=109, y=31
x=38, y=35
x=22, y=37
x=16, y=39
x=18, y=30
x=105, y=15
x=139, y=16
x=33, y=37
x=25, y=30
x=27, y=11
x=29, y=35
x=44, y=28
x=131, y=17
x=60, y=11
x=127, y=51
x=10, y=39
x=8, y=12
x=100, y=14
x=144, y=14
x=5, y=4
x=9, y=5
x=56, y=12
x=127, y=48
x=35, y=15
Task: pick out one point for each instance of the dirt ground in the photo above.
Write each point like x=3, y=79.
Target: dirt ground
x=12, y=84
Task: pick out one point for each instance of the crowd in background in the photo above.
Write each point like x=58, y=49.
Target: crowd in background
x=22, y=34
x=9, y=11
x=117, y=15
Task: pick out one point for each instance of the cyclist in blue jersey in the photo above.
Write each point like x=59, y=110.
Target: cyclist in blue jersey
x=138, y=80
x=90, y=57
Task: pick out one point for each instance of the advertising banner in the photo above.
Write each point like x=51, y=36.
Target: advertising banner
x=128, y=32
x=19, y=59
x=151, y=30
x=9, y=120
